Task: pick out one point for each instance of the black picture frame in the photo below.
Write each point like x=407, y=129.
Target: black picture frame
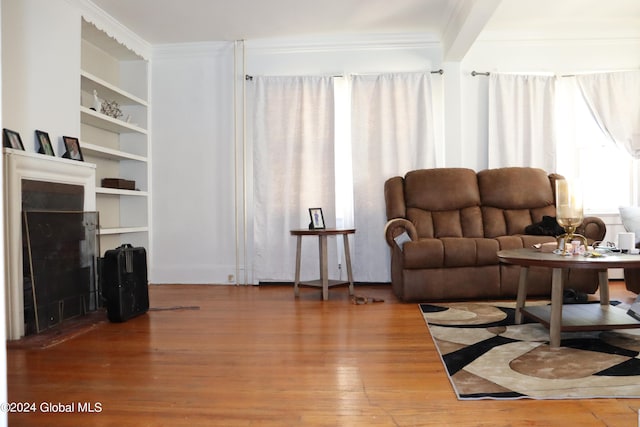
x=11, y=139
x=45, y=143
x=72, y=145
x=317, y=219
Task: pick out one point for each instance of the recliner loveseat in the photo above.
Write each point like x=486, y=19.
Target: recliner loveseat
x=456, y=220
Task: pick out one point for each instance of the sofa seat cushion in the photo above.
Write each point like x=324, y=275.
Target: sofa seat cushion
x=506, y=222
x=450, y=252
x=520, y=241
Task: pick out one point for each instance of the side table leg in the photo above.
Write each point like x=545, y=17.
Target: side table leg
x=296, y=283
x=522, y=293
x=603, y=282
x=347, y=258
x=555, y=323
x=324, y=268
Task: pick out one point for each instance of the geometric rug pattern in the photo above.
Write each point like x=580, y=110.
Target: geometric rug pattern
x=488, y=356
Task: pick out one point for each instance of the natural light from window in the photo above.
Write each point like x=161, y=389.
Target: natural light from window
x=343, y=167
x=605, y=170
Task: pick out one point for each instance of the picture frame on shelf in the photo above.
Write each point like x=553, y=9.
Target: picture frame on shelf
x=72, y=145
x=44, y=143
x=11, y=139
x=317, y=219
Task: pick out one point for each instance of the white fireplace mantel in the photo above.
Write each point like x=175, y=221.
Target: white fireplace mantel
x=19, y=166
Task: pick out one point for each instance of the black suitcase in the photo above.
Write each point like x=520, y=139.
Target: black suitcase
x=123, y=281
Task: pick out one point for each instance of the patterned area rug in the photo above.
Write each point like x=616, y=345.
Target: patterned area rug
x=488, y=357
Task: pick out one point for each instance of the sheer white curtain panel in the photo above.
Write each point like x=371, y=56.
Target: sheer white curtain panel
x=614, y=100
x=293, y=169
x=392, y=133
x=522, y=121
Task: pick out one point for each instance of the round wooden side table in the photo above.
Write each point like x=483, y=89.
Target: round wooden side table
x=324, y=281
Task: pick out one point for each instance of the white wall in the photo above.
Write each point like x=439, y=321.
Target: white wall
x=41, y=59
x=193, y=164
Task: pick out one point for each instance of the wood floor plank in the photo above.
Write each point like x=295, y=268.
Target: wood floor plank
x=256, y=356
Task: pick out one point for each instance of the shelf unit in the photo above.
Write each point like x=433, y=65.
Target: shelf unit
x=119, y=147
x=107, y=123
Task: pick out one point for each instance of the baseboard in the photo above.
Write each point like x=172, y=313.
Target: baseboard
x=286, y=283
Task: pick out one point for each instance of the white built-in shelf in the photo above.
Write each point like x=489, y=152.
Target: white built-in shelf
x=109, y=153
x=89, y=83
x=119, y=192
x=120, y=148
x=102, y=121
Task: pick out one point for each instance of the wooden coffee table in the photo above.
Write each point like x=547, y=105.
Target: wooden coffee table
x=570, y=317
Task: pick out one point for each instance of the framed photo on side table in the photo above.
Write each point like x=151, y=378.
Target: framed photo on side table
x=11, y=139
x=73, y=148
x=45, y=143
x=317, y=219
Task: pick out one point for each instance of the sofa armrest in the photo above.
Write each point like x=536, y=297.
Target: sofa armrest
x=593, y=228
x=396, y=227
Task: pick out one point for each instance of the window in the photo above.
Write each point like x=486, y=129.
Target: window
x=584, y=151
x=344, y=170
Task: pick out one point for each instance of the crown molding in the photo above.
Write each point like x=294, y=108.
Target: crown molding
x=538, y=39
x=341, y=43
x=299, y=45
x=192, y=50
x=112, y=27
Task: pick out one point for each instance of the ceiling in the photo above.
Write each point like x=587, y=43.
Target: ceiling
x=188, y=21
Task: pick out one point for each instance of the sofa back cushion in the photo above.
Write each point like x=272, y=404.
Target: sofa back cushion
x=443, y=202
x=513, y=198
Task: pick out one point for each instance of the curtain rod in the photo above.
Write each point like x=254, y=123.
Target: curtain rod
x=486, y=73
x=440, y=71
x=478, y=73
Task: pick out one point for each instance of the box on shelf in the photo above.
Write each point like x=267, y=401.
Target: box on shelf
x=121, y=184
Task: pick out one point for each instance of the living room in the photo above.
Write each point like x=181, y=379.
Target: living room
x=203, y=223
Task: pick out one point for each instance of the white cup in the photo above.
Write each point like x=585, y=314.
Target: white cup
x=626, y=241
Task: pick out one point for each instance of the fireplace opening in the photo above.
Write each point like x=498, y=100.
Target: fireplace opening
x=60, y=249
x=51, y=196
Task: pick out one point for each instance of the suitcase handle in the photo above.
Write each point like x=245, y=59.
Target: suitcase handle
x=128, y=257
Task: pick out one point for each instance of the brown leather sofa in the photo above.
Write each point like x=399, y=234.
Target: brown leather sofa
x=457, y=220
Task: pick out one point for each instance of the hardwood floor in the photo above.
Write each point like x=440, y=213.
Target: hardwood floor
x=255, y=356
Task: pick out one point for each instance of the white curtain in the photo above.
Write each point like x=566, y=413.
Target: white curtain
x=293, y=161
x=521, y=121
x=392, y=133
x=614, y=101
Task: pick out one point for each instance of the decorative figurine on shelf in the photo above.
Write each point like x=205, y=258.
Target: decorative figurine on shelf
x=97, y=103
x=111, y=109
